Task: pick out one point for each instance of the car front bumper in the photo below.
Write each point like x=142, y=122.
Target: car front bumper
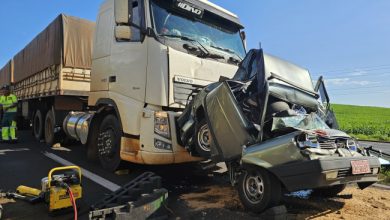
x=324, y=172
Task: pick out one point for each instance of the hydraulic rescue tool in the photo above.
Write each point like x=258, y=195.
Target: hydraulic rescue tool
x=60, y=189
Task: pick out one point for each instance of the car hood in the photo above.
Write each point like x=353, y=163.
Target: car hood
x=326, y=133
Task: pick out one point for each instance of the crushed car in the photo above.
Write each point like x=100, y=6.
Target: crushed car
x=274, y=130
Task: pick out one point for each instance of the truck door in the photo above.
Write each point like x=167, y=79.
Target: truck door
x=129, y=58
x=324, y=109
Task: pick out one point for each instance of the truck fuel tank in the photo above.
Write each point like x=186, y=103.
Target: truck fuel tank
x=76, y=125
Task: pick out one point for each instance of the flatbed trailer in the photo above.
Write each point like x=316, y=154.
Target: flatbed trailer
x=51, y=75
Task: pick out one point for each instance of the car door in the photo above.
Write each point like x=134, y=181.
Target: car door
x=324, y=108
x=228, y=126
x=230, y=129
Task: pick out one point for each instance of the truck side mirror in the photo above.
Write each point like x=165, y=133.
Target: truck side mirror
x=122, y=12
x=122, y=19
x=123, y=32
x=243, y=37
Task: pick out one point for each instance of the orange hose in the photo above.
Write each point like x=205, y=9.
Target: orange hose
x=73, y=203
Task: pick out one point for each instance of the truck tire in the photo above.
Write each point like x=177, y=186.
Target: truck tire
x=50, y=136
x=38, y=125
x=109, y=143
x=202, y=139
x=258, y=189
x=92, y=142
x=330, y=191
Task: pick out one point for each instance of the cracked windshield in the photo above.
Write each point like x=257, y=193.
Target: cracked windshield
x=208, y=31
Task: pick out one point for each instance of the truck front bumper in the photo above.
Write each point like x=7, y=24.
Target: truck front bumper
x=324, y=172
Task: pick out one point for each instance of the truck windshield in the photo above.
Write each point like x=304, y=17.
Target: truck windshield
x=219, y=34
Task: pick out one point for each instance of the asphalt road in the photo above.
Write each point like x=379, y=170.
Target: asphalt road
x=384, y=147
x=26, y=163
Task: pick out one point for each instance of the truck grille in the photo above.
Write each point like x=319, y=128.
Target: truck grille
x=328, y=144
x=183, y=93
x=348, y=172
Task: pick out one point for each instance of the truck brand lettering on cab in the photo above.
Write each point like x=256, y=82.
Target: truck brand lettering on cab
x=189, y=8
x=184, y=80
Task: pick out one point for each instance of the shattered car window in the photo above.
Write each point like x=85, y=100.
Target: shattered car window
x=302, y=121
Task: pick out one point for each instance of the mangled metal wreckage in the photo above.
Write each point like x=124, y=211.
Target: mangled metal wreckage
x=274, y=129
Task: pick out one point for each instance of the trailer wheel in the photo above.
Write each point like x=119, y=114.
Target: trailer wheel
x=202, y=138
x=258, y=189
x=109, y=143
x=38, y=125
x=50, y=136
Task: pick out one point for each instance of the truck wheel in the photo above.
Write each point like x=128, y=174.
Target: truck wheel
x=202, y=138
x=330, y=191
x=50, y=136
x=109, y=143
x=38, y=125
x=258, y=189
x=93, y=136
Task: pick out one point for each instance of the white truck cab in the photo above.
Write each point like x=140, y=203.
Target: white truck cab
x=150, y=57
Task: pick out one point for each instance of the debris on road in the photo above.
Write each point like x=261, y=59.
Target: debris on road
x=138, y=199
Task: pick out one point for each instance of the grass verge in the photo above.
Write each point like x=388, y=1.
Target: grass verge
x=364, y=122
x=384, y=176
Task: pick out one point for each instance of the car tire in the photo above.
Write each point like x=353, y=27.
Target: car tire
x=258, y=189
x=202, y=139
x=49, y=131
x=109, y=143
x=330, y=191
x=38, y=125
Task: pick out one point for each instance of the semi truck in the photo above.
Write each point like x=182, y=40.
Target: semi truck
x=119, y=85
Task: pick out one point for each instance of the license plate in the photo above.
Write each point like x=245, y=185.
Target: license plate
x=360, y=167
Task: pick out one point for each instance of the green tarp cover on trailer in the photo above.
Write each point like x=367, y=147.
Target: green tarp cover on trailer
x=67, y=40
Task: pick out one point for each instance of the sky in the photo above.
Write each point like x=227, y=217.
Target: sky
x=348, y=42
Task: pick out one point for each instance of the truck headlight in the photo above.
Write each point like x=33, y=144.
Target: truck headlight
x=161, y=124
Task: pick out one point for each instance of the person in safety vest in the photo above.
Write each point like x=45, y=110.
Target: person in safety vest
x=9, y=103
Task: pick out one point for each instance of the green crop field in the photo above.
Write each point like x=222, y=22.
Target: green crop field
x=362, y=122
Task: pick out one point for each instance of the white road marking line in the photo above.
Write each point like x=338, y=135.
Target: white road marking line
x=2, y=152
x=97, y=179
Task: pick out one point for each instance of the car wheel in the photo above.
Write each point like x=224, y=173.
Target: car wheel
x=258, y=189
x=330, y=191
x=38, y=125
x=109, y=143
x=50, y=136
x=202, y=139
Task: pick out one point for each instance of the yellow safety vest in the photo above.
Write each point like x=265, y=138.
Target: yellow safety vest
x=7, y=101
